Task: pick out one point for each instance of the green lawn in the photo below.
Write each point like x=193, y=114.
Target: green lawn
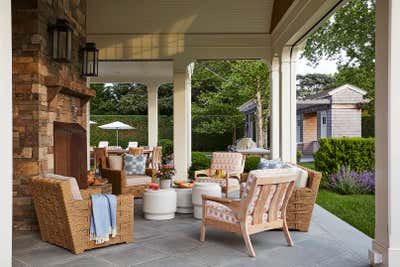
x=357, y=210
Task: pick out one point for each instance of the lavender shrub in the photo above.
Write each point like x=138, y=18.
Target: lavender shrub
x=348, y=181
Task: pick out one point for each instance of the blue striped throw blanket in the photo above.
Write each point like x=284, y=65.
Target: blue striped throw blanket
x=104, y=217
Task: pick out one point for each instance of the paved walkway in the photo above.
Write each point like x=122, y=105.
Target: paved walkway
x=330, y=242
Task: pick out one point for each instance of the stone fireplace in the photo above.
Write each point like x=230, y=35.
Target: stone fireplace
x=44, y=92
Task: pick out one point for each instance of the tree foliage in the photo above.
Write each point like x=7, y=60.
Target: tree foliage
x=313, y=83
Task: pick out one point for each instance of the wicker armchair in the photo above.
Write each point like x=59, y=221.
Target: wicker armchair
x=301, y=204
x=65, y=222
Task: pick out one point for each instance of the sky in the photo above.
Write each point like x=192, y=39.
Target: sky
x=325, y=66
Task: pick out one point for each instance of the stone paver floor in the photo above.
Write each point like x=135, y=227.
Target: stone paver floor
x=330, y=242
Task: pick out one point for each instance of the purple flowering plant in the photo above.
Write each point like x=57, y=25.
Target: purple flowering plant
x=348, y=181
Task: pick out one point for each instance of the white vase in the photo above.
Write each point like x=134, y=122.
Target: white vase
x=165, y=183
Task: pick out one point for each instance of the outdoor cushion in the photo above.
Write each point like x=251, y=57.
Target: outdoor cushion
x=132, y=180
x=270, y=164
x=220, y=212
x=228, y=161
x=115, y=162
x=134, y=164
x=302, y=175
x=76, y=194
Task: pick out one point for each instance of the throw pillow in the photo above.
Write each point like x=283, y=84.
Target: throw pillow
x=302, y=175
x=134, y=164
x=270, y=164
x=115, y=162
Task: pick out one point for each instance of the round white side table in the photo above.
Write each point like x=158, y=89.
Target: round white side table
x=184, y=200
x=159, y=204
x=199, y=189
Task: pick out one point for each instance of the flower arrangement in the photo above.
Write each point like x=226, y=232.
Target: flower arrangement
x=348, y=181
x=165, y=171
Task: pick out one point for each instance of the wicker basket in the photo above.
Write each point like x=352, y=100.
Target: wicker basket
x=65, y=222
x=301, y=204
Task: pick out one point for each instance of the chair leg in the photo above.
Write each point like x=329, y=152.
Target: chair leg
x=247, y=240
x=203, y=232
x=287, y=234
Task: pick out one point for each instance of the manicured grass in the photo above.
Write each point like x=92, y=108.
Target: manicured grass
x=357, y=210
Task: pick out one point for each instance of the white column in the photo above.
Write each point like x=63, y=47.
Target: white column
x=182, y=87
x=152, y=114
x=6, y=155
x=190, y=70
x=288, y=144
x=275, y=111
x=88, y=132
x=386, y=245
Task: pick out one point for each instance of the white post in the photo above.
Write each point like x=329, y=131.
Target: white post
x=275, y=103
x=182, y=86
x=386, y=245
x=6, y=155
x=152, y=114
x=190, y=69
x=88, y=134
x=288, y=144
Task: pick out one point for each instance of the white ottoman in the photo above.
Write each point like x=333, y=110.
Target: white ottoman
x=159, y=204
x=184, y=200
x=199, y=189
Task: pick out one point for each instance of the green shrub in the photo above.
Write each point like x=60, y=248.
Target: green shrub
x=298, y=155
x=167, y=147
x=200, y=161
x=251, y=164
x=355, y=153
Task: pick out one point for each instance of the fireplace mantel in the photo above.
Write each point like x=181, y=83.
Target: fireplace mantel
x=57, y=85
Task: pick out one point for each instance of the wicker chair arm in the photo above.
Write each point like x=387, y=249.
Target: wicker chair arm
x=152, y=173
x=117, y=179
x=206, y=172
x=85, y=193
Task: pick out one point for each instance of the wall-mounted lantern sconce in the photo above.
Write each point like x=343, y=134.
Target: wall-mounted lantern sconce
x=61, y=39
x=90, y=60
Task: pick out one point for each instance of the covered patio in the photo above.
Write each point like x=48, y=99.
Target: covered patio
x=170, y=36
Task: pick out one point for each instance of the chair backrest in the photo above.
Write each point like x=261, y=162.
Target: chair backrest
x=133, y=144
x=100, y=157
x=266, y=195
x=228, y=161
x=103, y=144
x=136, y=150
x=156, y=157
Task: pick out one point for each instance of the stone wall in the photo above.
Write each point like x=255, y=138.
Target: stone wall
x=34, y=108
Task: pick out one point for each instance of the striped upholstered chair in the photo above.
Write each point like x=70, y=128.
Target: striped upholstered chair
x=261, y=207
x=233, y=166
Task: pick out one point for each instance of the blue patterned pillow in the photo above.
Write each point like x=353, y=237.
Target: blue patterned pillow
x=270, y=164
x=135, y=164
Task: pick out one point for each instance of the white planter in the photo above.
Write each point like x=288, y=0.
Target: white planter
x=165, y=183
x=199, y=189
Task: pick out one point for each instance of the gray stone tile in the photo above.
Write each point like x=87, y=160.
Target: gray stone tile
x=23, y=244
x=18, y=263
x=172, y=245
x=143, y=232
x=173, y=261
x=46, y=256
x=85, y=261
x=132, y=255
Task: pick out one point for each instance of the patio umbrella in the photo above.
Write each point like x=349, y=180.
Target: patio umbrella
x=116, y=125
x=92, y=122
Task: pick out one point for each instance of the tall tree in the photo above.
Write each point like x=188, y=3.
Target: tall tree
x=313, y=83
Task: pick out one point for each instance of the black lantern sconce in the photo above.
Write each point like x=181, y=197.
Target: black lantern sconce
x=90, y=60
x=61, y=38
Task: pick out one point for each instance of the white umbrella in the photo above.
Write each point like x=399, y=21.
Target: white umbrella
x=92, y=122
x=116, y=125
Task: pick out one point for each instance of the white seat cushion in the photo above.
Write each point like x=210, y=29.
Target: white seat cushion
x=302, y=176
x=132, y=180
x=115, y=162
x=76, y=194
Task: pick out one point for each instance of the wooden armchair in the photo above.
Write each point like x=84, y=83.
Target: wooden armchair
x=262, y=207
x=233, y=166
x=64, y=220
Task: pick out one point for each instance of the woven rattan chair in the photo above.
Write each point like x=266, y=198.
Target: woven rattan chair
x=233, y=166
x=301, y=204
x=136, y=151
x=262, y=207
x=65, y=222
